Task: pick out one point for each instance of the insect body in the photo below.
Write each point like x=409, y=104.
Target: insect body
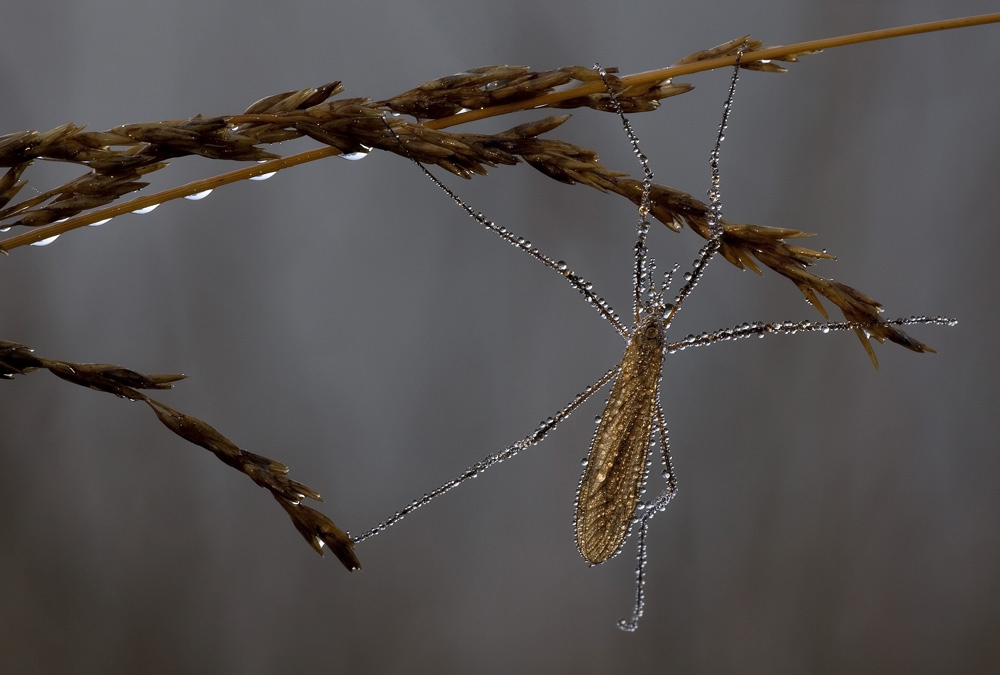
x=609, y=499
x=616, y=468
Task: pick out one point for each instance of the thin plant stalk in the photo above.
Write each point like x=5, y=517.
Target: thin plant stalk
x=787, y=52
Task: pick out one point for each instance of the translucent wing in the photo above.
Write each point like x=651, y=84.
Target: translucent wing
x=616, y=467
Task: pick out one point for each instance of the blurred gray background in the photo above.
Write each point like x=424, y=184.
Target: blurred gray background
x=344, y=318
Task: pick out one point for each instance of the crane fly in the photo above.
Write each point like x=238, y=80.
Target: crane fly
x=608, y=502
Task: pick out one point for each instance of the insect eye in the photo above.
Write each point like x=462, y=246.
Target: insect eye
x=652, y=331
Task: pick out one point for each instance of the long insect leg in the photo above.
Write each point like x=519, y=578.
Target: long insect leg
x=576, y=281
x=715, y=222
x=642, y=281
x=533, y=438
x=758, y=329
x=650, y=509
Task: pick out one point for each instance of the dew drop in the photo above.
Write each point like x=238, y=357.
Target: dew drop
x=198, y=195
x=354, y=156
x=45, y=242
x=145, y=209
x=263, y=176
x=99, y=222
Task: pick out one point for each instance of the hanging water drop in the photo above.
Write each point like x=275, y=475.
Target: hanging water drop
x=198, y=195
x=99, y=222
x=45, y=242
x=354, y=156
x=263, y=176
x=145, y=209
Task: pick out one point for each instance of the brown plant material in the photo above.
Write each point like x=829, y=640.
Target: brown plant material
x=742, y=244
x=496, y=89
x=356, y=125
x=316, y=528
x=119, y=157
x=118, y=160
